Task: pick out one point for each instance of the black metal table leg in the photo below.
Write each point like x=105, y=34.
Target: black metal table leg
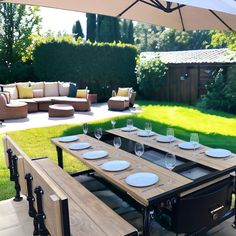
x=146, y=221
x=59, y=157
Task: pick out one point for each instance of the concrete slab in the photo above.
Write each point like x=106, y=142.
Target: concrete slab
x=41, y=119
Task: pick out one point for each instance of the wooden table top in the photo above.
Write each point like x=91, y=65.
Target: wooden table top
x=198, y=157
x=142, y=195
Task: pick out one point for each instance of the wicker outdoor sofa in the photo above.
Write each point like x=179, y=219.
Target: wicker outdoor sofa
x=20, y=98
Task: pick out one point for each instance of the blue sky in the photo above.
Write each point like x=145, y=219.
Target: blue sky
x=61, y=20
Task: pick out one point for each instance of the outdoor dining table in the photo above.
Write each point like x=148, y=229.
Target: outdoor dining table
x=163, y=189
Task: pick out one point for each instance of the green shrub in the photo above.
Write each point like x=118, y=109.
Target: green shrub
x=100, y=66
x=151, y=75
x=219, y=94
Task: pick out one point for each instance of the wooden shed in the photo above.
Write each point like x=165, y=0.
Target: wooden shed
x=189, y=71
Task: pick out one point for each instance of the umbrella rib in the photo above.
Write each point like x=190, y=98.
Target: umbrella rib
x=221, y=20
x=126, y=9
x=181, y=17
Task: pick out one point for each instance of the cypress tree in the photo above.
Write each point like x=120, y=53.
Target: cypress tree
x=124, y=31
x=130, y=33
x=77, y=30
x=91, y=27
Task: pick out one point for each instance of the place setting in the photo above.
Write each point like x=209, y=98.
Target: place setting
x=168, y=138
x=147, y=132
x=129, y=126
x=68, y=139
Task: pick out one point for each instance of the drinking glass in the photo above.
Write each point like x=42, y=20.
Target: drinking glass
x=129, y=124
x=98, y=133
x=117, y=144
x=170, y=162
x=194, y=139
x=113, y=122
x=85, y=128
x=170, y=134
x=148, y=127
x=139, y=151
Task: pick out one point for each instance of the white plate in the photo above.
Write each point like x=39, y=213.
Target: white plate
x=165, y=139
x=79, y=146
x=142, y=179
x=217, y=152
x=116, y=165
x=68, y=139
x=144, y=133
x=95, y=155
x=188, y=145
x=129, y=129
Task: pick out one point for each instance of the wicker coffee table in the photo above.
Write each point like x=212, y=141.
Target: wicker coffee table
x=60, y=110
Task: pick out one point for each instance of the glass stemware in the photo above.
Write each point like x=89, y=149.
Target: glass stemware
x=113, y=122
x=117, y=144
x=194, y=139
x=98, y=133
x=148, y=127
x=129, y=124
x=85, y=128
x=170, y=163
x=170, y=134
x=139, y=151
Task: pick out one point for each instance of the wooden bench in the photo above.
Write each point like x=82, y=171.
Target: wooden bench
x=70, y=209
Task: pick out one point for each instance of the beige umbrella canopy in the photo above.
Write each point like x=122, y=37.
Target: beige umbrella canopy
x=178, y=14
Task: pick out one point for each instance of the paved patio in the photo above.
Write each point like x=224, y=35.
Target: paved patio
x=40, y=119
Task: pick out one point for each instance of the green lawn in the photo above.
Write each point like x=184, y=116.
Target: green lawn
x=215, y=129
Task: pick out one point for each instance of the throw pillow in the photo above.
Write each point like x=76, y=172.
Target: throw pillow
x=37, y=85
x=64, y=88
x=24, y=92
x=123, y=92
x=38, y=93
x=72, y=90
x=82, y=93
x=12, y=89
x=51, y=89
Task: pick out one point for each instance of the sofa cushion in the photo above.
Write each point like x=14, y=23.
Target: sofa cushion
x=72, y=90
x=37, y=93
x=24, y=92
x=63, y=88
x=119, y=98
x=51, y=89
x=37, y=85
x=24, y=84
x=12, y=89
x=123, y=92
x=82, y=93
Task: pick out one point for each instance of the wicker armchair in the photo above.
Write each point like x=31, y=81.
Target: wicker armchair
x=12, y=110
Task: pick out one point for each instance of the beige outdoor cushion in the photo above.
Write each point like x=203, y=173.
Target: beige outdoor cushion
x=37, y=85
x=12, y=89
x=82, y=93
x=119, y=98
x=24, y=92
x=37, y=93
x=124, y=92
x=51, y=89
x=63, y=88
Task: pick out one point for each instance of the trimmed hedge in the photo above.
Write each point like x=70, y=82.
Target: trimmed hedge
x=100, y=66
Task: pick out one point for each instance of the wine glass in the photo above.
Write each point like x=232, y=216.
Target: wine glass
x=194, y=139
x=98, y=133
x=85, y=128
x=170, y=162
x=170, y=134
x=117, y=144
x=148, y=127
x=113, y=122
x=129, y=124
x=139, y=151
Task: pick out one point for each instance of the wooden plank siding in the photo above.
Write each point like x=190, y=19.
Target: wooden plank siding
x=190, y=90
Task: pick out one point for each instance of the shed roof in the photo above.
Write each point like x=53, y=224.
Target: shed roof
x=223, y=55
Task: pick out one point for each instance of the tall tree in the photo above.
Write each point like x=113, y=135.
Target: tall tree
x=107, y=29
x=91, y=27
x=77, y=30
x=131, y=32
x=124, y=31
x=224, y=39
x=18, y=23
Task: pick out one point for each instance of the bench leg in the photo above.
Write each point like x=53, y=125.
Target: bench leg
x=17, y=198
x=10, y=164
x=59, y=156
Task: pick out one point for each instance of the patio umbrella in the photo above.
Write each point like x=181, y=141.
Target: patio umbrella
x=178, y=14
